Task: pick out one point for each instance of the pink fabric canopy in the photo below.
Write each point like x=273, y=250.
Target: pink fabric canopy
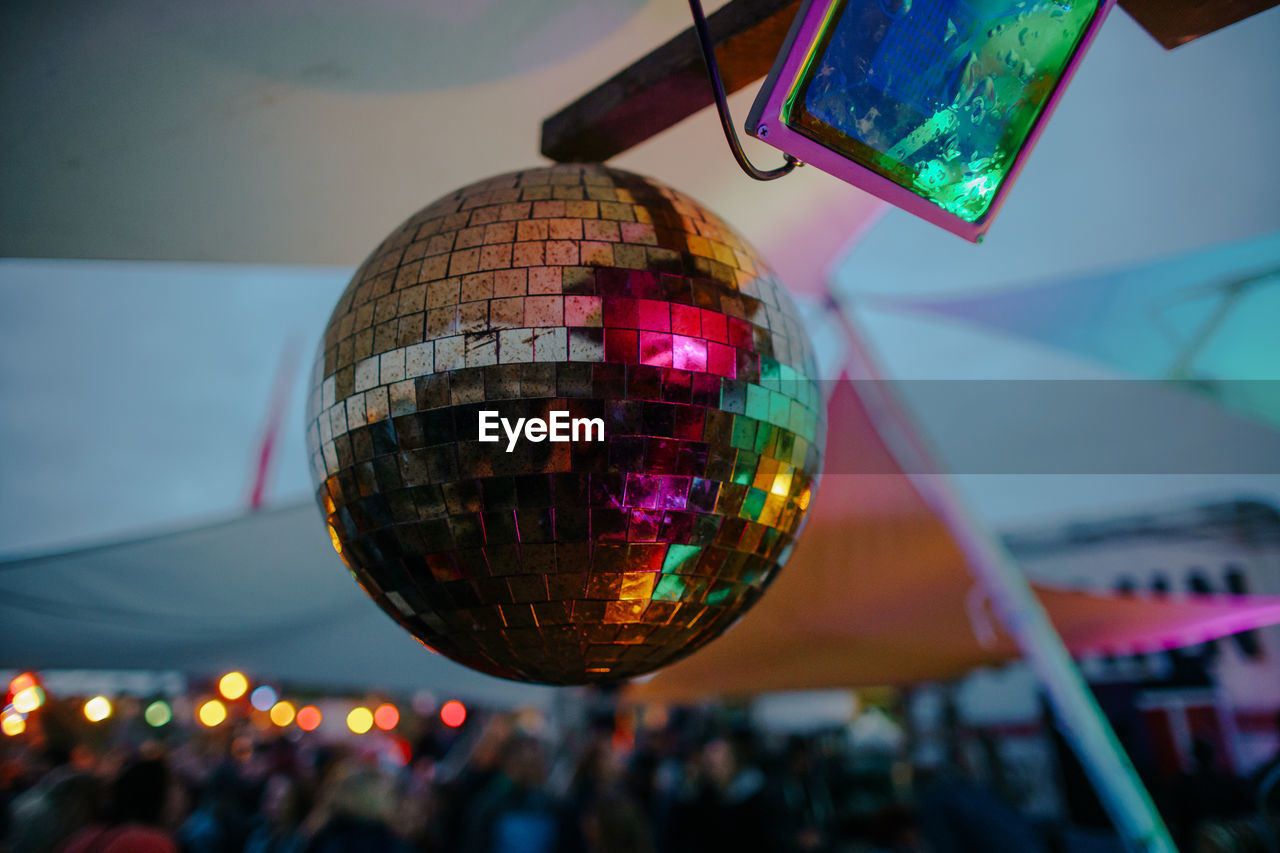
x=878, y=592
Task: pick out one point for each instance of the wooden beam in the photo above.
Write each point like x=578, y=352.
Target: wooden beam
x=669, y=84
x=1175, y=22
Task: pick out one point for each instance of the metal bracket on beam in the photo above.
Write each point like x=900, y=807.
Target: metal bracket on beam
x=670, y=83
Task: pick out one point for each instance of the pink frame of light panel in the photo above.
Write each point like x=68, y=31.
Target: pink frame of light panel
x=765, y=123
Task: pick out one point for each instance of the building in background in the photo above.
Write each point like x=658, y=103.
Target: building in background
x=1224, y=694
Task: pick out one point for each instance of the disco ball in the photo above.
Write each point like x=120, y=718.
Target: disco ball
x=603, y=308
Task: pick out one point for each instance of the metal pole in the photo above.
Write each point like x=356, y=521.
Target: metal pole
x=1081, y=720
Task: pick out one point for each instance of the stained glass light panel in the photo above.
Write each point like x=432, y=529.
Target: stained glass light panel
x=930, y=104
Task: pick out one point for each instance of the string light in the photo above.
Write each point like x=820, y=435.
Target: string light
x=212, y=713
x=282, y=714
x=158, y=714
x=97, y=709
x=360, y=720
x=263, y=698
x=28, y=699
x=308, y=718
x=233, y=685
x=387, y=717
x=453, y=713
x=22, y=682
x=13, y=724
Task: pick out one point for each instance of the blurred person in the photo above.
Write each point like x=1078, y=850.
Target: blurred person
x=354, y=814
x=59, y=805
x=1259, y=833
x=597, y=774
x=667, y=781
x=514, y=813
x=1205, y=794
x=723, y=804
x=1265, y=781
x=616, y=824
x=641, y=774
x=464, y=773
x=136, y=806
x=220, y=822
x=418, y=820
x=286, y=802
x=890, y=829
x=956, y=814
x=803, y=794
x=1230, y=837
x=20, y=770
x=1269, y=806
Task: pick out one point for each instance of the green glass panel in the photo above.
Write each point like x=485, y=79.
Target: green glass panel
x=753, y=504
x=722, y=593
x=757, y=402
x=680, y=558
x=769, y=372
x=939, y=96
x=744, y=432
x=766, y=439
x=744, y=469
x=786, y=445
x=670, y=588
x=779, y=409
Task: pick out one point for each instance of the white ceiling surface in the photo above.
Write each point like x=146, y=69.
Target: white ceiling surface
x=302, y=131
x=135, y=393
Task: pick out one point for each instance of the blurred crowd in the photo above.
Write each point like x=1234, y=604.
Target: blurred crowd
x=695, y=784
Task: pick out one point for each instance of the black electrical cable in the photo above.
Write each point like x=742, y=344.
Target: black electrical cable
x=722, y=102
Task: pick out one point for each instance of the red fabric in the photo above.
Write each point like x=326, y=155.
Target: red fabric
x=131, y=838
x=803, y=249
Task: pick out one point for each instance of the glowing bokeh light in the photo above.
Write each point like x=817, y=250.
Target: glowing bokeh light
x=28, y=699
x=233, y=685
x=453, y=713
x=13, y=724
x=22, y=682
x=360, y=720
x=212, y=713
x=387, y=717
x=308, y=718
x=282, y=714
x=263, y=698
x=97, y=709
x=158, y=714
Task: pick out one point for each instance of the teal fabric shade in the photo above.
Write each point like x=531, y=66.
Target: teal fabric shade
x=1206, y=319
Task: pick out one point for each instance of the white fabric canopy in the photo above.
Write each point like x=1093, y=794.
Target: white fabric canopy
x=263, y=593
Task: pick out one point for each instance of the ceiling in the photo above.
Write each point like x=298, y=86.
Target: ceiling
x=302, y=131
